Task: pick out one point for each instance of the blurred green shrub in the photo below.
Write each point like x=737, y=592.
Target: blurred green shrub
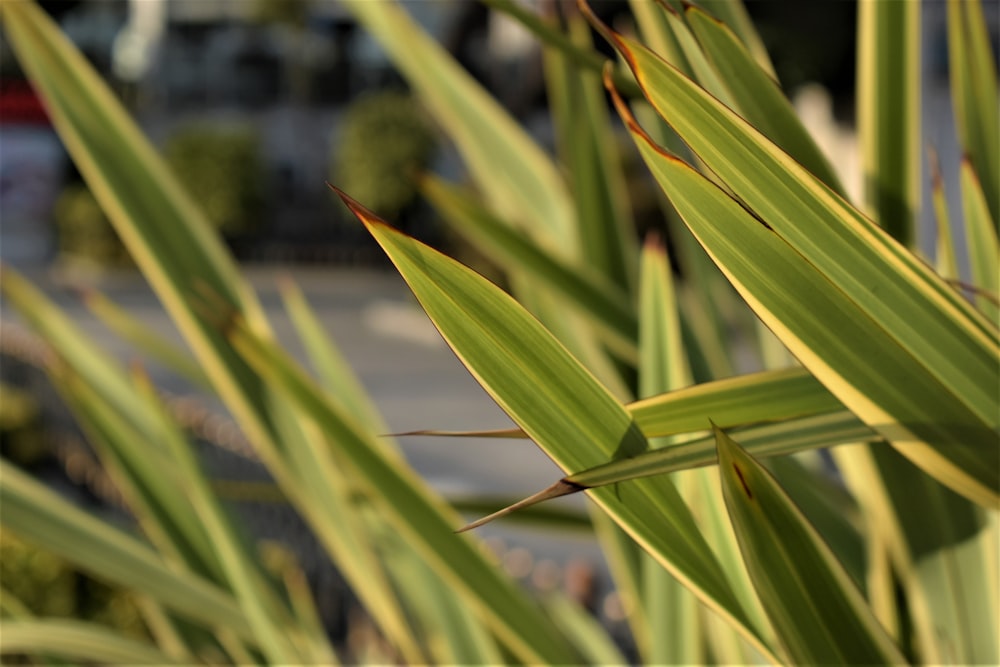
x=384, y=139
x=20, y=426
x=223, y=170
x=84, y=233
x=45, y=585
x=292, y=13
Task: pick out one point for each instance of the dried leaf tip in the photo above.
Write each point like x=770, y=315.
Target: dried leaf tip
x=364, y=214
x=561, y=488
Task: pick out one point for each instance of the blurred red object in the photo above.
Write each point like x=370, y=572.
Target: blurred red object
x=19, y=105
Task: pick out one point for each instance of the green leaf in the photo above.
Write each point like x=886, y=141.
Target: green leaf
x=169, y=238
x=279, y=639
x=77, y=640
x=817, y=611
x=605, y=304
x=827, y=505
x=584, y=57
x=889, y=114
x=651, y=19
x=788, y=437
x=946, y=261
x=518, y=180
x=756, y=95
x=973, y=75
x=93, y=364
x=671, y=612
x=38, y=515
x=588, y=148
x=981, y=238
x=766, y=396
x=733, y=13
x=940, y=549
x=408, y=506
x=706, y=75
x=597, y=647
x=558, y=404
x=331, y=367
x=147, y=475
x=330, y=498
x=836, y=289
x=145, y=339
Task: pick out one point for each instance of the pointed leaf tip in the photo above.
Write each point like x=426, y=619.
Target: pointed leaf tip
x=654, y=242
x=561, y=488
x=364, y=214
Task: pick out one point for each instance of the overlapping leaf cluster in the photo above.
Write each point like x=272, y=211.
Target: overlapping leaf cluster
x=742, y=553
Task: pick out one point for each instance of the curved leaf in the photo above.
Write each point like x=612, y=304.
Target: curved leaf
x=78, y=640
x=407, y=506
x=818, y=612
x=973, y=75
x=756, y=95
x=40, y=516
x=558, y=404
x=839, y=292
x=889, y=114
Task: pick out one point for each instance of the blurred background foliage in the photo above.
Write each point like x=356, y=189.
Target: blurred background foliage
x=46, y=585
x=221, y=167
x=385, y=141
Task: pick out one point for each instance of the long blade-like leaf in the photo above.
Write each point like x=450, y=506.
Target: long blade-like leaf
x=606, y=304
x=755, y=94
x=515, y=176
x=77, y=640
x=586, y=144
x=767, y=396
x=790, y=437
x=930, y=388
x=145, y=339
x=818, y=612
x=558, y=404
x=973, y=74
x=889, y=113
x=981, y=238
x=410, y=508
x=38, y=515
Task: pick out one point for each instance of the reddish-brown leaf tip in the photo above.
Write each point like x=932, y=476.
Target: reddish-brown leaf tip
x=630, y=122
x=667, y=7
x=563, y=487
x=360, y=211
x=654, y=242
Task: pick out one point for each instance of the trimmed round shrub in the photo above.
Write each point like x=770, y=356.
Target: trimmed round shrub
x=223, y=170
x=84, y=232
x=384, y=140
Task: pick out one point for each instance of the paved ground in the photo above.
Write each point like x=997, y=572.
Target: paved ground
x=412, y=375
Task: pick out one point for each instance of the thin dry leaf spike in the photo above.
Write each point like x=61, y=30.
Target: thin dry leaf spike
x=561, y=488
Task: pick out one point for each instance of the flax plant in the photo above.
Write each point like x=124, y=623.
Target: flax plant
x=730, y=537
